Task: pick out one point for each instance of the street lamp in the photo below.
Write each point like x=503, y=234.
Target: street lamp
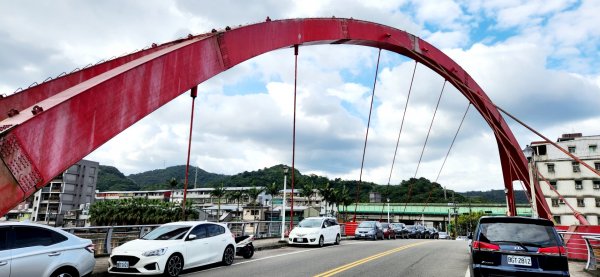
x=285, y=171
x=388, y=210
x=530, y=155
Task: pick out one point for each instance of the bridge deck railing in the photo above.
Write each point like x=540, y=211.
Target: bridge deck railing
x=106, y=238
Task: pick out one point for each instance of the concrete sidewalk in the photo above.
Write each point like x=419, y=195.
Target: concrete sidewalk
x=101, y=268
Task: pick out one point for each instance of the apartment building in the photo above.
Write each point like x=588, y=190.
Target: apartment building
x=579, y=186
x=70, y=191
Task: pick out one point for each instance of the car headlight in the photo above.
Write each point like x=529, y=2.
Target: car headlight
x=157, y=252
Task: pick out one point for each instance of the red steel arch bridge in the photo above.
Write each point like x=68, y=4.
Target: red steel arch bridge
x=104, y=99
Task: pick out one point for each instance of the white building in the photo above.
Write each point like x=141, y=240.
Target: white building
x=578, y=185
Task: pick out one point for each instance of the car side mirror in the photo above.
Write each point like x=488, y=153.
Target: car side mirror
x=191, y=237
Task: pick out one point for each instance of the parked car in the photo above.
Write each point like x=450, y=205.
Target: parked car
x=412, y=232
x=173, y=247
x=369, y=230
x=421, y=231
x=388, y=231
x=316, y=231
x=400, y=230
x=432, y=233
x=444, y=235
x=517, y=246
x=28, y=249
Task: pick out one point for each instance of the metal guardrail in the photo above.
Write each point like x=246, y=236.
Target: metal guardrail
x=583, y=246
x=107, y=238
x=593, y=247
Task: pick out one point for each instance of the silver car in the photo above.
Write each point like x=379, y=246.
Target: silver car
x=28, y=249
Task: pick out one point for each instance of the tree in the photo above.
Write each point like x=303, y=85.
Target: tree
x=173, y=184
x=218, y=192
x=137, y=211
x=467, y=222
x=326, y=192
x=272, y=190
x=253, y=194
x=308, y=191
x=236, y=195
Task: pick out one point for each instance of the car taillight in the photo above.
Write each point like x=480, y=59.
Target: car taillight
x=91, y=248
x=485, y=246
x=554, y=250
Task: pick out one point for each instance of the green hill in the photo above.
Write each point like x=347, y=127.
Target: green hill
x=110, y=178
x=158, y=178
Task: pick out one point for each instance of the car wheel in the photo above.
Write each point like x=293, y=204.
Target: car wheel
x=65, y=272
x=249, y=252
x=173, y=266
x=228, y=255
x=338, y=238
x=321, y=241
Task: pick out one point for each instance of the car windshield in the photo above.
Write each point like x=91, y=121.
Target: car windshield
x=367, y=224
x=167, y=232
x=527, y=234
x=310, y=223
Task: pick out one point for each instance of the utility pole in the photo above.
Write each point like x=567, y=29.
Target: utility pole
x=455, y=217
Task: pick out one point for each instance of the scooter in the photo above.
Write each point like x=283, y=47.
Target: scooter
x=244, y=246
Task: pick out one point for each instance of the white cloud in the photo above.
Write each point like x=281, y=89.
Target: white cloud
x=542, y=66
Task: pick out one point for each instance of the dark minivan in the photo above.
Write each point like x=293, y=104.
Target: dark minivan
x=517, y=246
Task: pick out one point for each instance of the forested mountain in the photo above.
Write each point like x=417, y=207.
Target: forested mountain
x=495, y=196
x=110, y=178
x=159, y=178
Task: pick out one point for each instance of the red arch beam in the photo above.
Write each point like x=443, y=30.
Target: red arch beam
x=85, y=109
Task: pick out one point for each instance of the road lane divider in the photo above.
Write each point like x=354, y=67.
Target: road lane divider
x=367, y=259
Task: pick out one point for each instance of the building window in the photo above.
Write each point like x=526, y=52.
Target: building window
x=576, y=167
x=597, y=202
x=596, y=184
x=578, y=184
x=557, y=219
x=553, y=184
x=561, y=201
x=554, y=202
x=572, y=149
x=593, y=148
x=580, y=202
x=597, y=166
x=550, y=168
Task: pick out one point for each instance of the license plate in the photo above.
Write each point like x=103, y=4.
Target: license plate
x=518, y=260
x=122, y=264
x=362, y=235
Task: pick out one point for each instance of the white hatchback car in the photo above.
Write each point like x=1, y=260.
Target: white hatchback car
x=173, y=247
x=316, y=231
x=28, y=249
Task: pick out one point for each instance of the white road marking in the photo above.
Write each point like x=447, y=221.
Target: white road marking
x=468, y=273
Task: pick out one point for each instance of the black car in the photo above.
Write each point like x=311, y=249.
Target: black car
x=400, y=230
x=517, y=246
x=432, y=233
x=421, y=231
x=412, y=232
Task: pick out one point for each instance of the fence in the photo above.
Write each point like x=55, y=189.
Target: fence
x=107, y=238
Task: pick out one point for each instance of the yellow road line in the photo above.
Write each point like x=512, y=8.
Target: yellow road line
x=367, y=259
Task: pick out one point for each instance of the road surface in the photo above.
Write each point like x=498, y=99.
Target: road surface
x=352, y=258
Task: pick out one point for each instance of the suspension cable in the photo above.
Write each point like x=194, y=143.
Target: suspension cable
x=294, y=136
x=366, y=138
x=400, y=132
x=193, y=94
x=447, y=154
x=425, y=144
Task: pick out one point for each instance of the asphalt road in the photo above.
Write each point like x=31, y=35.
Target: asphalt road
x=352, y=258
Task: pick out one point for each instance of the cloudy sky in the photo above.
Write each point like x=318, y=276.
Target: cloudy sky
x=538, y=59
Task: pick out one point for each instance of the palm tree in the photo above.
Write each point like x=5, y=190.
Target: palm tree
x=308, y=191
x=346, y=200
x=218, y=192
x=236, y=195
x=173, y=183
x=273, y=190
x=326, y=192
x=253, y=193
